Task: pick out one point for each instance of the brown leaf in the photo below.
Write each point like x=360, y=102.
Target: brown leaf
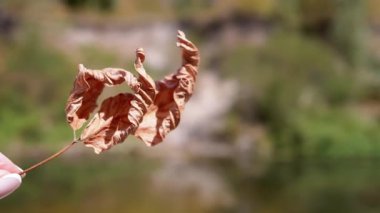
x=110, y=125
x=164, y=114
x=150, y=113
x=88, y=86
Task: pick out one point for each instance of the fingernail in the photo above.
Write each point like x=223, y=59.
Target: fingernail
x=24, y=174
x=8, y=184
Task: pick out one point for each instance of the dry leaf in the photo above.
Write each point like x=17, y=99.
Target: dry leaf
x=88, y=85
x=150, y=113
x=163, y=115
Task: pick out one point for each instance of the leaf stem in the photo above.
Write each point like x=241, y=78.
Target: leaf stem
x=60, y=152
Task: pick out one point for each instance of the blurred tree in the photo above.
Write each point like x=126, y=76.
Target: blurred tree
x=292, y=75
x=75, y=4
x=349, y=30
x=104, y=5
x=288, y=14
x=341, y=23
x=316, y=16
x=7, y=24
x=36, y=80
x=262, y=8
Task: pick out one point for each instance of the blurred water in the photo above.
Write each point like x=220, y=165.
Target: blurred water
x=111, y=183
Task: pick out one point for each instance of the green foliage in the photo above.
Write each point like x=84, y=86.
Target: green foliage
x=336, y=134
x=36, y=81
x=290, y=66
x=288, y=14
x=349, y=30
x=342, y=23
x=313, y=12
x=185, y=9
x=286, y=81
x=262, y=8
x=19, y=125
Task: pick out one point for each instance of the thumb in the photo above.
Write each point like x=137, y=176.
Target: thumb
x=8, y=184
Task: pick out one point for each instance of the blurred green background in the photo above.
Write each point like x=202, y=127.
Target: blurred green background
x=285, y=116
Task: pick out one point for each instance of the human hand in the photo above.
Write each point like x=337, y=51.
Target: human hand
x=10, y=180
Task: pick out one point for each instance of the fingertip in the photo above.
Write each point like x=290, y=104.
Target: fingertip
x=8, y=165
x=13, y=176
x=9, y=183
